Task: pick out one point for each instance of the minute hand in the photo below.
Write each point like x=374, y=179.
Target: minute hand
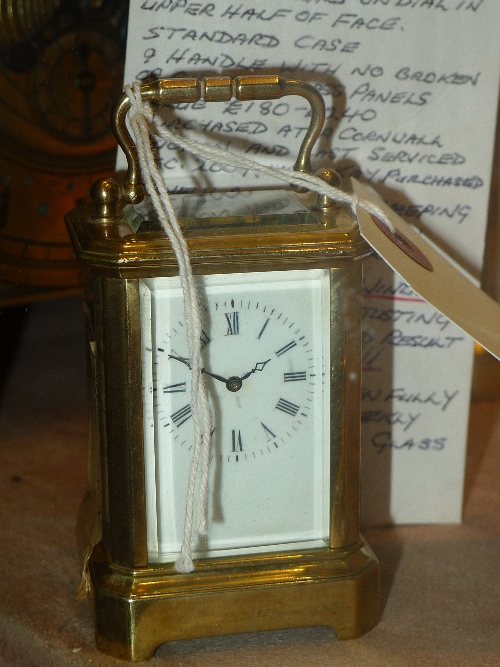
x=259, y=366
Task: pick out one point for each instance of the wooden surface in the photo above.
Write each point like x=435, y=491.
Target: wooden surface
x=440, y=584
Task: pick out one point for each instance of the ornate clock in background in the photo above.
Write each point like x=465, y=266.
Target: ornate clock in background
x=61, y=68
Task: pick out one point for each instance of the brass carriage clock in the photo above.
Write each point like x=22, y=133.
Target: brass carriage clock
x=280, y=279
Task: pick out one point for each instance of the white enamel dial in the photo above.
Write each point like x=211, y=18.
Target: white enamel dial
x=265, y=363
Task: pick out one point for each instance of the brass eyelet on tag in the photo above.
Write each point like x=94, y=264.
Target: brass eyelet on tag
x=404, y=244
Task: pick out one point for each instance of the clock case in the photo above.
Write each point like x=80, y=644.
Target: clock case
x=138, y=605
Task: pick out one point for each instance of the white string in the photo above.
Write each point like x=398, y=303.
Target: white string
x=298, y=178
x=140, y=115
x=143, y=122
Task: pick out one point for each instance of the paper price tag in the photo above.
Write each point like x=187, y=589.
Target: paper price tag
x=444, y=287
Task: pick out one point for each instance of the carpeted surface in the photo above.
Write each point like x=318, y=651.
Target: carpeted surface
x=441, y=584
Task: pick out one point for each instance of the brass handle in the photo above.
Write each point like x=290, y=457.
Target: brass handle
x=215, y=89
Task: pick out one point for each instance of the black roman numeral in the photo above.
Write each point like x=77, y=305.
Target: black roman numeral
x=182, y=415
x=285, y=348
x=288, y=407
x=204, y=338
x=294, y=377
x=236, y=441
x=233, y=323
x=174, y=388
x=183, y=360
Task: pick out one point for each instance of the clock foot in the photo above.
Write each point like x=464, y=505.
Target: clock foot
x=136, y=611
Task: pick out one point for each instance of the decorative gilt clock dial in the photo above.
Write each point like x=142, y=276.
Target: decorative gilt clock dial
x=264, y=350
x=61, y=68
x=92, y=64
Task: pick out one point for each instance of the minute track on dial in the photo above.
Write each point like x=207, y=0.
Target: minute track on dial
x=265, y=330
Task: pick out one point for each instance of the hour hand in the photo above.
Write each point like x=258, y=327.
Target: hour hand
x=259, y=366
x=213, y=375
x=183, y=360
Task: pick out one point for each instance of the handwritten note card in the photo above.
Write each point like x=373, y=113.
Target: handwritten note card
x=415, y=403
x=411, y=91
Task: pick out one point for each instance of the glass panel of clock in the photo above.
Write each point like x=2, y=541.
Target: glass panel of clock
x=265, y=357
